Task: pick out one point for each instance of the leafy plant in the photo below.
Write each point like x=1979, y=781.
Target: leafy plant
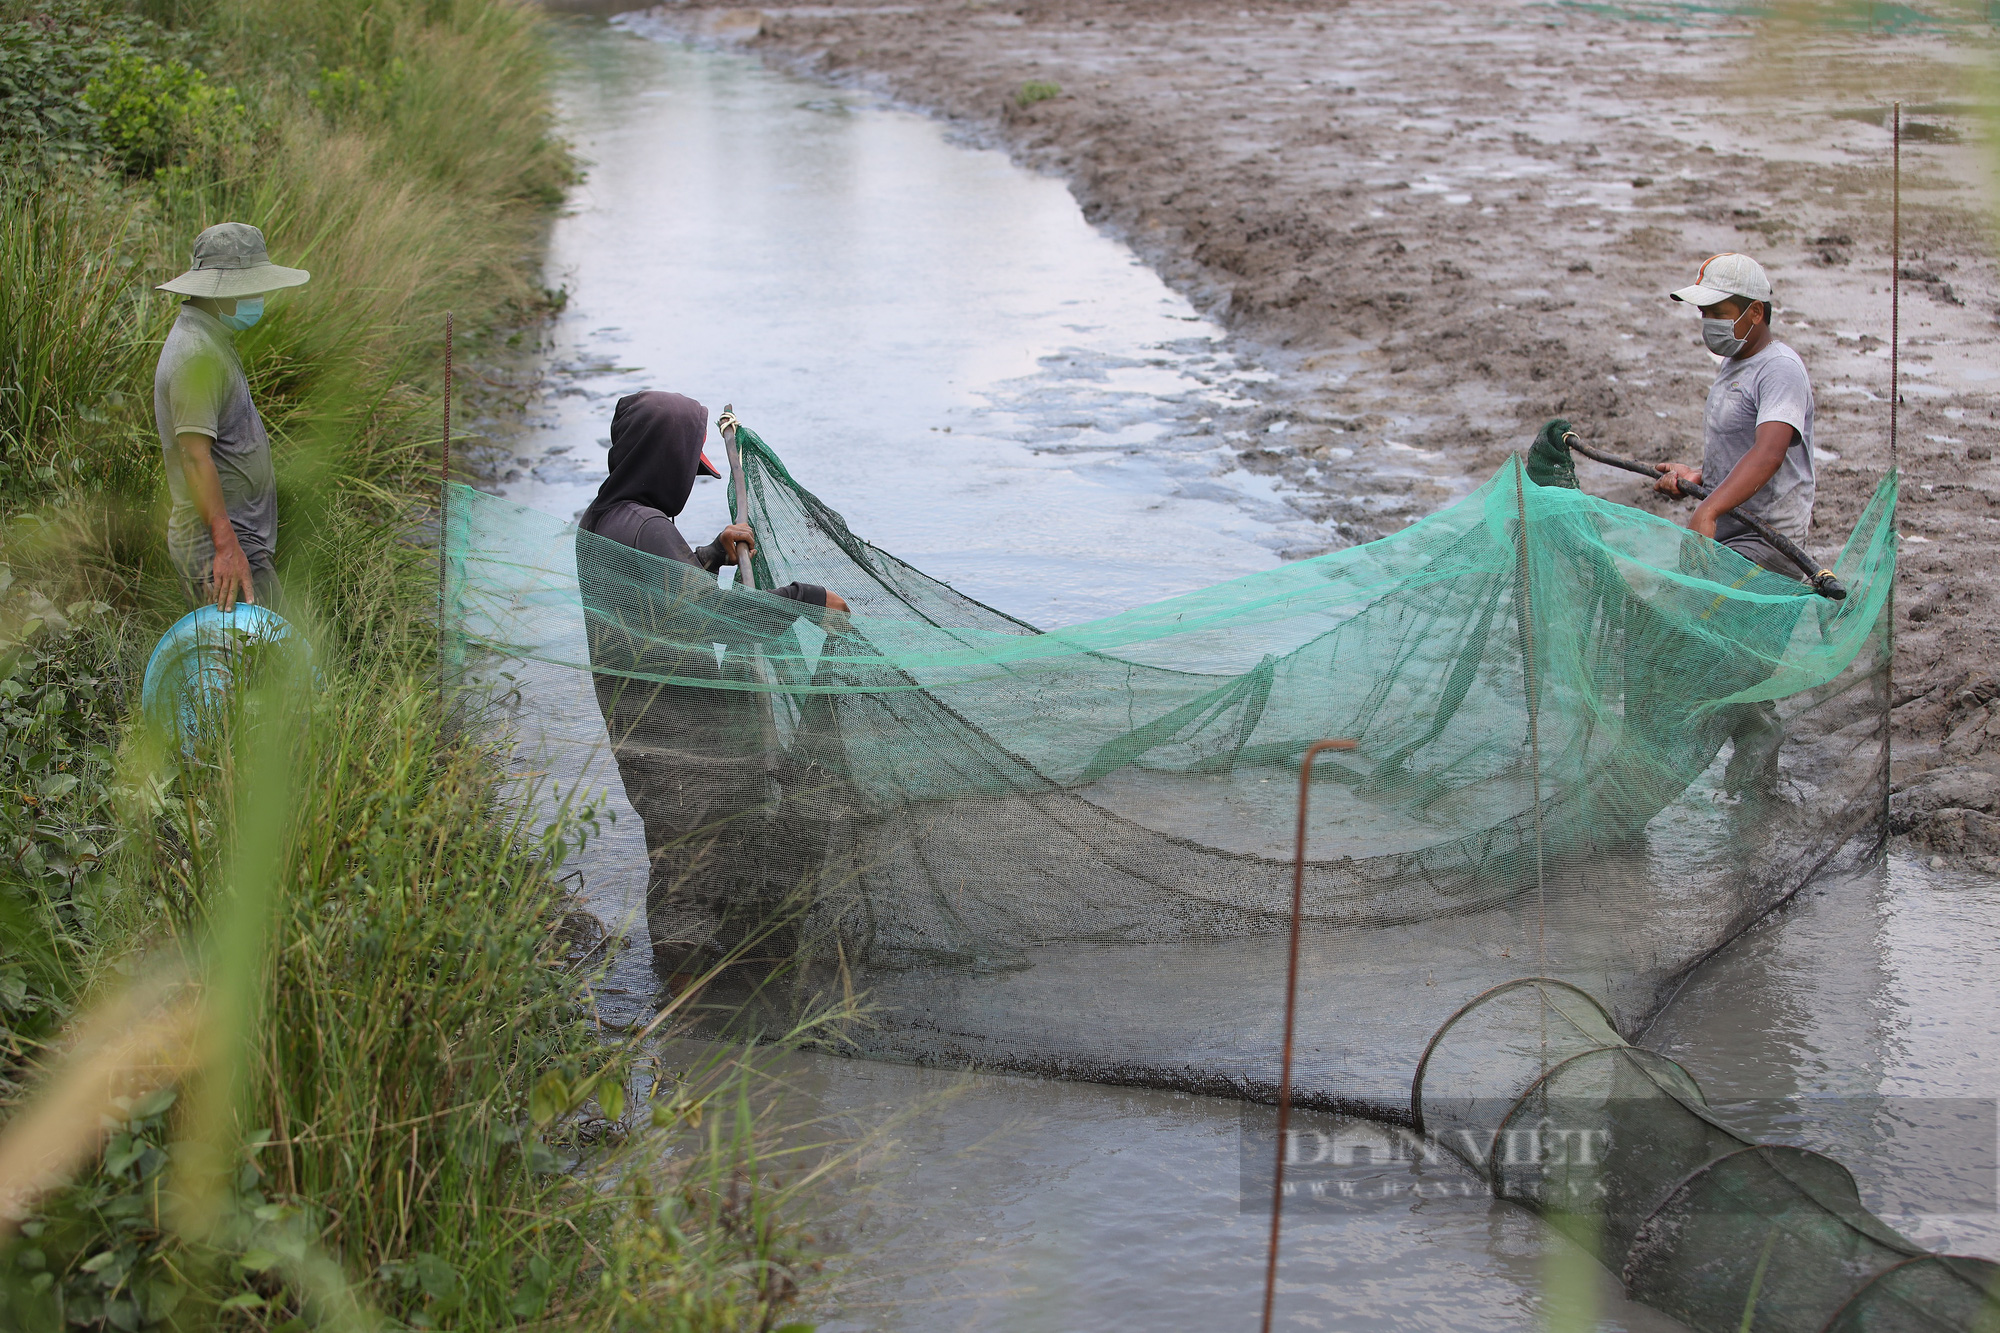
x=348, y=92
x=103, y=1254
x=1034, y=90
x=97, y=1260
x=152, y=113
x=60, y=708
x=47, y=58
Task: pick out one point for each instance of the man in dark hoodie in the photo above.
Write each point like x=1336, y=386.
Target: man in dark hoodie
x=693, y=757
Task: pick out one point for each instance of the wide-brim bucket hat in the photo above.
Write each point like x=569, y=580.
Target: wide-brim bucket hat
x=230, y=261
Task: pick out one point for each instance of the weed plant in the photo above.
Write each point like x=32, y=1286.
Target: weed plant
x=376, y=1111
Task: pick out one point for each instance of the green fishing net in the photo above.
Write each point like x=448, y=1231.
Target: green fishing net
x=1589, y=747
x=1532, y=1086
x=1071, y=850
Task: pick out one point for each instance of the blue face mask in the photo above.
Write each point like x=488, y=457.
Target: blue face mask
x=249, y=310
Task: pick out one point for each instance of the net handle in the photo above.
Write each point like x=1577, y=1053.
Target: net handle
x=767, y=723
x=1819, y=577
x=725, y=426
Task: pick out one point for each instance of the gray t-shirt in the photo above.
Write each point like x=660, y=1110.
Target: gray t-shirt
x=1770, y=386
x=199, y=388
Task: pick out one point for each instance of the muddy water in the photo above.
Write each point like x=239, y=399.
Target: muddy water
x=938, y=341
x=1862, y=1021
x=954, y=359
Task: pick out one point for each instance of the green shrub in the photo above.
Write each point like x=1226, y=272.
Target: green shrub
x=47, y=58
x=1035, y=91
x=99, y=1258
x=347, y=92
x=61, y=708
x=152, y=113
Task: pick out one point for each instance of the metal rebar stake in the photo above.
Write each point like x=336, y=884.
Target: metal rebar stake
x=444, y=514
x=1895, y=462
x=1895, y=272
x=1313, y=752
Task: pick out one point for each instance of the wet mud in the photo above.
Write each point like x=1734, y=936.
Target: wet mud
x=987, y=1201
x=1446, y=223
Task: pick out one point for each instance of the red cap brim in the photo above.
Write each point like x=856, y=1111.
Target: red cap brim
x=707, y=467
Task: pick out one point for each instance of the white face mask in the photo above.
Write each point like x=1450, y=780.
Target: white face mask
x=1719, y=335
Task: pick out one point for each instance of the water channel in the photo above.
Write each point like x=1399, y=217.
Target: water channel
x=947, y=353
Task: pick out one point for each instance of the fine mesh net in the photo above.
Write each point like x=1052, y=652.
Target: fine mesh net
x=1589, y=746
x=1616, y=1146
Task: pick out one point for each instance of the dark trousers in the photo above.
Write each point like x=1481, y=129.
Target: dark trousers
x=1761, y=553
x=706, y=824
x=706, y=806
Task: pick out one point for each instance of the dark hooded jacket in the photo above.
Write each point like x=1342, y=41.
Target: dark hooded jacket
x=652, y=606
x=693, y=735
x=656, y=455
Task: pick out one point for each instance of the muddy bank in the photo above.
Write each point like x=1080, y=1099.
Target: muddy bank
x=1447, y=223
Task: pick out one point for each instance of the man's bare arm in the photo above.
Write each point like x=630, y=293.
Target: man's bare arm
x=230, y=578
x=1746, y=478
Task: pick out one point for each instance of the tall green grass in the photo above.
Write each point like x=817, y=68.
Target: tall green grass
x=406, y=978
x=381, y=1120
x=74, y=326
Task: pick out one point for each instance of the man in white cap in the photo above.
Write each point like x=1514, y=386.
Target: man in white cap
x=1756, y=455
x=1756, y=458
x=222, y=531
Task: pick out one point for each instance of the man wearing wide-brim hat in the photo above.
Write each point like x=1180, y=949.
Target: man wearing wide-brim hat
x=222, y=531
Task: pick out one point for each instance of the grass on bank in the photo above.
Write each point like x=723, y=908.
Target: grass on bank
x=353, y=907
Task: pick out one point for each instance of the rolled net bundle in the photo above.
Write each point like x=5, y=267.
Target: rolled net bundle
x=1070, y=851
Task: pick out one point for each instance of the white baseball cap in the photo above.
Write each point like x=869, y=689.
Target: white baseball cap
x=1723, y=276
